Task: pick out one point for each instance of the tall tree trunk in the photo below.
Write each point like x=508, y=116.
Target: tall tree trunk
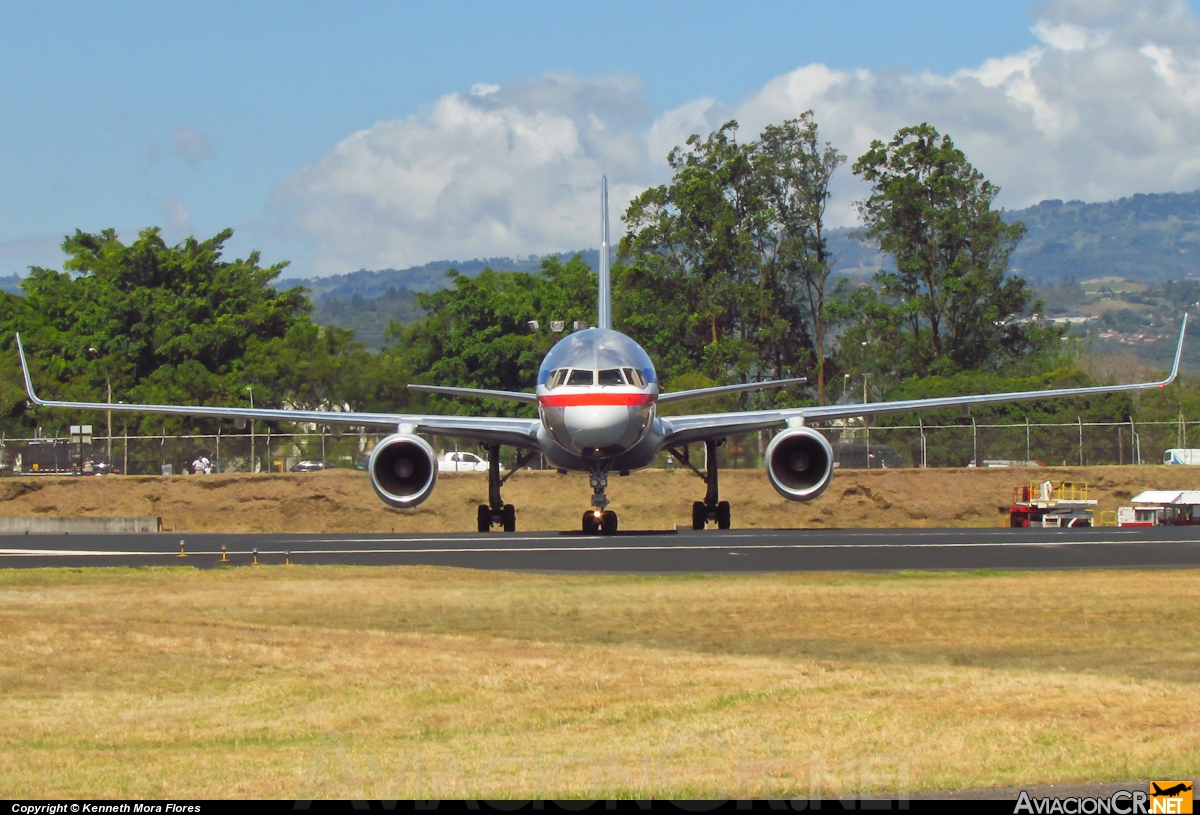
x=820, y=362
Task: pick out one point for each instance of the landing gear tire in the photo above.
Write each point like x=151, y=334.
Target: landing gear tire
x=485, y=518
x=608, y=522
x=508, y=517
x=723, y=515
x=590, y=523
x=699, y=515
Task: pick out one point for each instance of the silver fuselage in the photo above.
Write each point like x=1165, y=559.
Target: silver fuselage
x=597, y=395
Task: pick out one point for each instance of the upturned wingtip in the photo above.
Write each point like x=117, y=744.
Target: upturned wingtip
x=25, y=370
x=1178, y=351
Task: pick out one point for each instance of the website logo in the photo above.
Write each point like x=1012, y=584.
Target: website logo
x=1171, y=797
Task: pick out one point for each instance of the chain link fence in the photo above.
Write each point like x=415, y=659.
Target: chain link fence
x=855, y=446
x=968, y=444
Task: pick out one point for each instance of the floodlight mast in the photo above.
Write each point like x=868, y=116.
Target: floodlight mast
x=605, y=316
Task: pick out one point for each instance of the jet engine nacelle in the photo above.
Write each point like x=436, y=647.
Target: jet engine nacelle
x=403, y=470
x=799, y=463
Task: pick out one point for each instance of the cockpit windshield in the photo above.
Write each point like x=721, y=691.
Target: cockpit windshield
x=596, y=356
x=582, y=377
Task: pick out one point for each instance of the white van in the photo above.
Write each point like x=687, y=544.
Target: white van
x=463, y=463
x=1179, y=455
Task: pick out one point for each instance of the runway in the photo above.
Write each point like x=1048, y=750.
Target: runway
x=707, y=551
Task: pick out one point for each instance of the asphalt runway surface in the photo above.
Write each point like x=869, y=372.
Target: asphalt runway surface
x=645, y=552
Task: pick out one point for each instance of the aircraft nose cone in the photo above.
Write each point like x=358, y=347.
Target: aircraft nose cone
x=597, y=426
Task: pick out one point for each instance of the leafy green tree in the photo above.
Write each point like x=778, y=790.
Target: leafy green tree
x=688, y=287
x=714, y=266
x=476, y=335
x=164, y=324
x=949, y=305
x=794, y=170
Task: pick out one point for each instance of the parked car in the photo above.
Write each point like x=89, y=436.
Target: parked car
x=311, y=466
x=463, y=463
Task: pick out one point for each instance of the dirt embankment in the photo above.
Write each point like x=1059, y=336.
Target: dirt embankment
x=343, y=501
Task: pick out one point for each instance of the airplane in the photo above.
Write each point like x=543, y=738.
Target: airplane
x=597, y=396
x=1170, y=791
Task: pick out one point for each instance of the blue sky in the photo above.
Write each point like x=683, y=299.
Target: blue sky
x=195, y=116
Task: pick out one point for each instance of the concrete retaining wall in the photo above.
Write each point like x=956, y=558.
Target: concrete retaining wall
x=80, y=526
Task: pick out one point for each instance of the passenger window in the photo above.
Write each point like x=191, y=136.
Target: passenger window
x=579, y=376
x=611, y=376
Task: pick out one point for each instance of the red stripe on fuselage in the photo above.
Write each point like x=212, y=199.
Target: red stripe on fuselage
x=595, y=399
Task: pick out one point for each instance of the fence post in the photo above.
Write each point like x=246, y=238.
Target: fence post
x=974, y=444
x=1028, y=457
x=1080, y=420
x=924, y=455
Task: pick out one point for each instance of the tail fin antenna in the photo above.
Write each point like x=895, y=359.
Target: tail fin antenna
x=605, y=316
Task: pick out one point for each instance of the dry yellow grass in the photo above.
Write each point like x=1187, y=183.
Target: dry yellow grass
x=343, y=501
x=426, y=682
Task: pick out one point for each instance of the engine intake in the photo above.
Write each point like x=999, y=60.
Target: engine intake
x=403, y=470
x=799, y=463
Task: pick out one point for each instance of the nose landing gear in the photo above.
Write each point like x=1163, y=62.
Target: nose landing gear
x=595, y=521
x=711, y=508
x=599, y=519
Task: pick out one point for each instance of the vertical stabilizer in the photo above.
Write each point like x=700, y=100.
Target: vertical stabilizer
x=605, y=317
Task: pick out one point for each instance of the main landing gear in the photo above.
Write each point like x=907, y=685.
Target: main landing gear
x=495, y=512
x=599, y=519
x=711, y=508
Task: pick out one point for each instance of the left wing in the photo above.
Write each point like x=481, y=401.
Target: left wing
x=478, y=393
x=686, y=429
x=499, y=430
x=721, y=390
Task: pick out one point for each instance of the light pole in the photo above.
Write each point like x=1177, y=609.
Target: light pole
x=250, y=391
x=845, y=385
x=108, y=384
x=866, y=422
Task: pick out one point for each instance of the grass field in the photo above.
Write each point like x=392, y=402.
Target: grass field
x=343, y=501
x=428, y=682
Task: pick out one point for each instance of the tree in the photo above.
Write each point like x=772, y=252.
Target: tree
x=948, y=306
x=475, y=333
x=689, y=289
x=794, y=169
x=171, y=325
x=721, y=270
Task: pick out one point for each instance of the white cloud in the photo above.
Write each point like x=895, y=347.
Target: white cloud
x=190, y=145
x=504, y=172
x=178, y=221
x=1106, y=104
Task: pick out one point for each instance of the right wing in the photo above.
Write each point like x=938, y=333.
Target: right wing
x=702, y=427
x=488, y=430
